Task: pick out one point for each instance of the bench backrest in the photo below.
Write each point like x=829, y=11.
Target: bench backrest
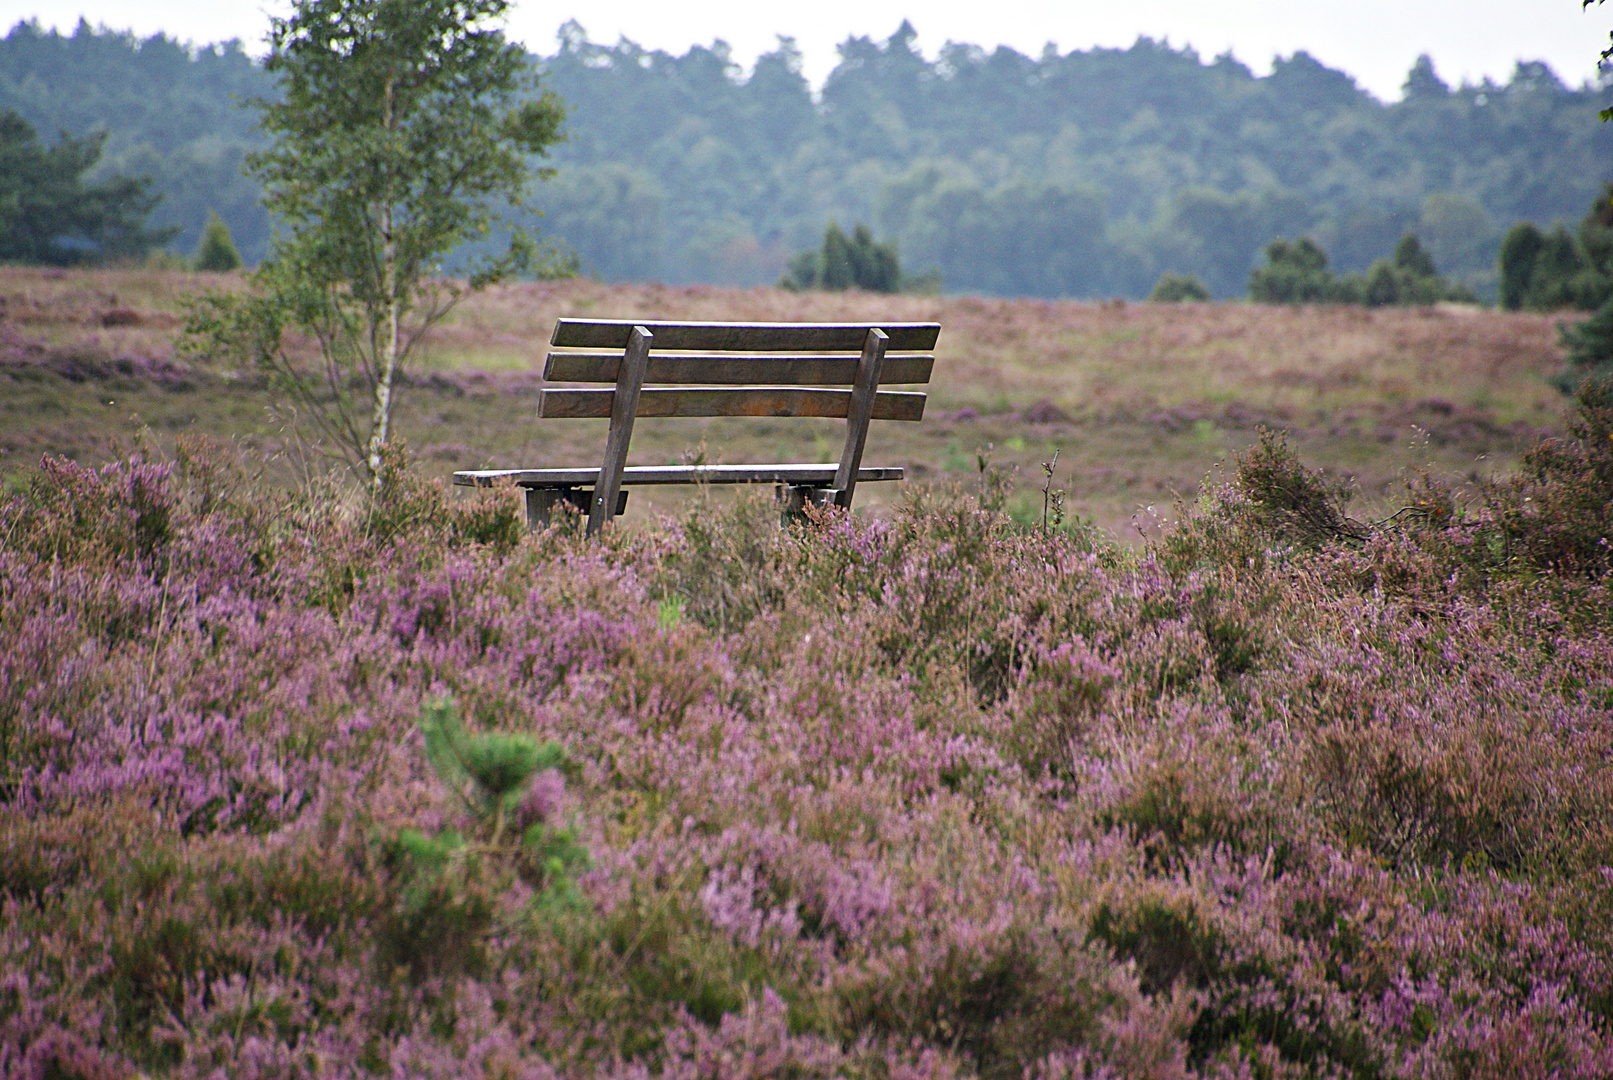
x=735, y=369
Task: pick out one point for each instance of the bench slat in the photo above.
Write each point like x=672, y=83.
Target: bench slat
x=802, y=475
x=736, y=370
x=766, y=401
x=742, y=337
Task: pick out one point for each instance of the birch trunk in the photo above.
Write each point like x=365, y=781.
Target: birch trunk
x=388, y=360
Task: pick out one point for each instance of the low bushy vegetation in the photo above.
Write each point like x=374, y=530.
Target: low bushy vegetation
x=1587, y=348
x=1297, y=273
x=1551, y=271
x=845, y=262
x=1179, y=288
x=217, y=252
x=297, y=787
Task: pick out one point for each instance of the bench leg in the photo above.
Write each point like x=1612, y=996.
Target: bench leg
x=791, y=498
x=541, y=503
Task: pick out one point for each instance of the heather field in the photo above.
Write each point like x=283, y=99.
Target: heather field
x=297, y=784
x=1141, y=400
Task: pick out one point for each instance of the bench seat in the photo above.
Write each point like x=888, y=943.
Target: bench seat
x=794, y=475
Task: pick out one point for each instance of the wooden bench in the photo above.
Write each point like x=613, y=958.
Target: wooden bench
x=720, y=369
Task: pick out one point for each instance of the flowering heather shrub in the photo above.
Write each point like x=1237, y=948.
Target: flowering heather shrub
x=1281, y=795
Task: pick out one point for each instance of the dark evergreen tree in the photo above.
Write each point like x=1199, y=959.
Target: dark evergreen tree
x=1408, y=278
x=1559, y=269
x=1558, y=266
x=858, y=261
x=803, y=272
x=1596, y=233
x=1588, y=349
x=1423, y=84
x=217, y=252
x=49, y=215
x=171, y=111
x=836, y=269
x=874, y=266
x=1519, y=251
x=1296, y=273
x=1413, y=258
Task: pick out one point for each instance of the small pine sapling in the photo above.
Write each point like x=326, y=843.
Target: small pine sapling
x=217, y=253
x=509, y=786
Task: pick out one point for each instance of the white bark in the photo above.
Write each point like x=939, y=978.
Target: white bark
x=387, y=362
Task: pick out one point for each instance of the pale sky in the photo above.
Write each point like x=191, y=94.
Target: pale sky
x=1374, y=40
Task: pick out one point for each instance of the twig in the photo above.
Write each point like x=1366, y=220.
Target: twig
x=1047, y=488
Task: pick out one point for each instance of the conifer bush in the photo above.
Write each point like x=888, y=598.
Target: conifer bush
x=1550, y=271
x=1588, y=349
x=1177, y=288
x=217, y=252
x=845, y=262
x=1297, y=273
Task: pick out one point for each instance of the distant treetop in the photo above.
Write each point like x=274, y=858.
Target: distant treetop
x=1081, y=173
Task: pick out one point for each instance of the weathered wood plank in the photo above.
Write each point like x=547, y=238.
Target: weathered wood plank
x=640, y=475
x=736, y=370
x=763, y=401
x=858, y=412
x=742, y=337
x=623, y=410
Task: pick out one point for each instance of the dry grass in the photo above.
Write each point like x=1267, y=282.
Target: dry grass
x=1141, y=400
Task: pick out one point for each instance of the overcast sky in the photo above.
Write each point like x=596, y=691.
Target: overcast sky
x=1374, y=40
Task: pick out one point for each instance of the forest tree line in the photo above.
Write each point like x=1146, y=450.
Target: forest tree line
x=1084, y=173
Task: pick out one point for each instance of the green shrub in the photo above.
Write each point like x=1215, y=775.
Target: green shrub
x=1409, y=278
x=217, y=252
x=1558, y=269
x=449, y=881
x=858, y=261
x=1169, y=945
x=404, y=506
x=1176, y=288
x=1004, y=1000
x=726, y=568
x=1557, y=514
x=1296, y=273
x=1588, y=349
x=1295, y=504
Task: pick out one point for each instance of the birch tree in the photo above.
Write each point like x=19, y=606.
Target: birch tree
x=402, y=129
